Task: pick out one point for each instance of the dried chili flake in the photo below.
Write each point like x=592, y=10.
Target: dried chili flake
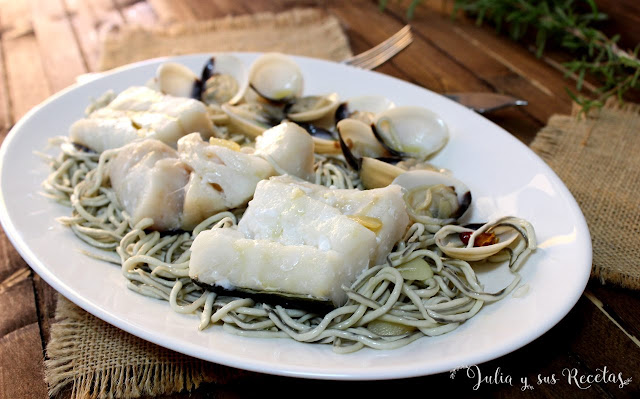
x=482, y=239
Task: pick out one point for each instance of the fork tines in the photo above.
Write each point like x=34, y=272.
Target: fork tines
x=379, y=54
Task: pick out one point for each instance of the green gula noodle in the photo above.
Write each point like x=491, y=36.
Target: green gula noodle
x=384, y=310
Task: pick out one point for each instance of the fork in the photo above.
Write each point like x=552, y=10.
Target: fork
x=383, y=52
x=482, y=103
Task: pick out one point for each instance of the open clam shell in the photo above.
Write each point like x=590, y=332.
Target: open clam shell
x=224, y=79
x=324, y=140
x=360, y=140
x=363, y=108
x=377, y=174
x=449, y=242
x=250, y=119
x=311, y=108
x=176, y=79
x=411, y=131
x=433, y=197
x=276, y=77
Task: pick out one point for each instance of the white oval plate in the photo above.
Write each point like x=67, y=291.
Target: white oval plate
x=505, y=178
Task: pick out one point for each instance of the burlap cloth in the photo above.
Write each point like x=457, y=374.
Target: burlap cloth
x=307, y=32
x=596, y=157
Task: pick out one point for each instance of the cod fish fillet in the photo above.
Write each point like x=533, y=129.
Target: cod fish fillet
x=208, y=177
x=297, y=241
x=222, y=178
x=149, y=179
x=140, y=112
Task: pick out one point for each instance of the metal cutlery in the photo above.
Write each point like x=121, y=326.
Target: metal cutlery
x=383, y=52
x=481, y=102
x=484, y=102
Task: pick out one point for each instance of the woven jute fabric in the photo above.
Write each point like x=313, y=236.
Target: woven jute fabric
x=309, y=32
x=598, y=158
x=88, y=358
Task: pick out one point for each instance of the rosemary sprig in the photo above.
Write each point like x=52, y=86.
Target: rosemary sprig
x=570, y=24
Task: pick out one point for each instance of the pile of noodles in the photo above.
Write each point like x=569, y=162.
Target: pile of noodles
x=384, y=311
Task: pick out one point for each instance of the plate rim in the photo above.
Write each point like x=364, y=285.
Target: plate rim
x=17, y=240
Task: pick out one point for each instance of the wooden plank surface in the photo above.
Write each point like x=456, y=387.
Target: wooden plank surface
x=6, y=119
x=21, y=366
x=484, y=52
x=21, y=343
x=57, y=45
x=26, y=80
x=52, y=41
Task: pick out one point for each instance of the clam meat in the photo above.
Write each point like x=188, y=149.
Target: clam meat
x=224, y=79
x=312, y=108
x=357, y=140
x=250, y=119
x=432, y=197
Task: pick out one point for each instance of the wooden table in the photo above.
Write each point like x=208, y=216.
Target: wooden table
x=45, y=44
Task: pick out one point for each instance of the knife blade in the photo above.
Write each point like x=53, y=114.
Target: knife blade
x=483, y=102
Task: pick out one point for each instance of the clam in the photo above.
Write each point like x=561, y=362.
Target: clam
x=363, y=108
x=357, y=141
x=311, y=108
x=432, y=197
x=276, y=77
x=474, y=245
x=250, y=119
x=176, y=79
x=375, y=173
x=224, y=80
x=414, y=132
x=324, y=140
x=317, y=131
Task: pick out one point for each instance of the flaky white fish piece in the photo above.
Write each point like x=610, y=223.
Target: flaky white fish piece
x=291, y=217
x=149, y=179
x=101, y=134
x=110, y=128
x=190, y=113
x=221, y=178
x=381, y=210
x=290, y=147
x=226, y=259
x=141, y=112
x=283, y=210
